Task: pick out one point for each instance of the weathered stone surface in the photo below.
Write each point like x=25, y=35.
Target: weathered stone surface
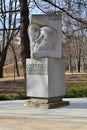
x=36, y=67
x=45, y=72
x=48, y=83
x=45, y=36
x=46, y=103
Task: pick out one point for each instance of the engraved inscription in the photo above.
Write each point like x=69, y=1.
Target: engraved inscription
x=36, y=69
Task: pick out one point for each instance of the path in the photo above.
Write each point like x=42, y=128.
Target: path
x=14, y=116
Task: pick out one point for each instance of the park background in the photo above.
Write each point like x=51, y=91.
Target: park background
x=15, y=48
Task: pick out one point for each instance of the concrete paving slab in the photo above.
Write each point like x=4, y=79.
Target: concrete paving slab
x=14, y=116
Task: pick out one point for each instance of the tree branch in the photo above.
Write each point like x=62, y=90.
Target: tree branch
x=38, y=6
x=77, y=19
x=1, y=29
x=11, y=11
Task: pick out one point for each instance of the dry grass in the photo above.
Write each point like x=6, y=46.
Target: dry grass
x=9, y=70
x=12, y=87
x=76, y=84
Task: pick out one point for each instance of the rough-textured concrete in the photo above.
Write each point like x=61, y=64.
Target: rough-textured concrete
x=14, y=116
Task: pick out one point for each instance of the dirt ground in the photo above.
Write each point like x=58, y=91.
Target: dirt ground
x=11, y=86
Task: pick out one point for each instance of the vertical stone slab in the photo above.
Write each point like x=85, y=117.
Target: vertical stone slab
x=56, y=77
x=45, y=78
x=37, y=78
x=53, y=22
x=45, y=72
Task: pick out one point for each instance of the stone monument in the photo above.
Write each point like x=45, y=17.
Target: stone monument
x=45, y=74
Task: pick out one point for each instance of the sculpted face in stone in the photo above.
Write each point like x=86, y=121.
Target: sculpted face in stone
x=34, y=32
x=42, y=38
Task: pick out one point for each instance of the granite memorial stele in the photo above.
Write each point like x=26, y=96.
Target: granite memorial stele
x=45, y=73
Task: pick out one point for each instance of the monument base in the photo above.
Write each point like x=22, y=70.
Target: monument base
x=47, y=103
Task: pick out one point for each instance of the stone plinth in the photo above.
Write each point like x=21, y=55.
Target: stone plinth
x=47, y=103
x=45, y=82
x=45, y=78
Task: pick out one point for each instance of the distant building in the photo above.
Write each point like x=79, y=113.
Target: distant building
x=16, y=40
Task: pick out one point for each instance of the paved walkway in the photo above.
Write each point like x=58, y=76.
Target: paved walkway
x=14, y=116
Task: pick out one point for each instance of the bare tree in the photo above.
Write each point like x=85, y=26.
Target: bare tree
x=74, y=23
x=25, y=46
x=68, y=9
x=10, y=28
x=15, y=59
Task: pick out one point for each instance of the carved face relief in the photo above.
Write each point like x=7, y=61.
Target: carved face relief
x=42, y=39
x=34, y=31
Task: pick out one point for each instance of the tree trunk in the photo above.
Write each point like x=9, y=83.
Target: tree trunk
x=16, y=65
x=25, y=46
x=1, y=71
x=70, y=65
x=15, y=60
x=79, y=64
x=3, y=58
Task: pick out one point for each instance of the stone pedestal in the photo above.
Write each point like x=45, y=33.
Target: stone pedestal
x=47, y=103
x=45, y=73
x=45, y=82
